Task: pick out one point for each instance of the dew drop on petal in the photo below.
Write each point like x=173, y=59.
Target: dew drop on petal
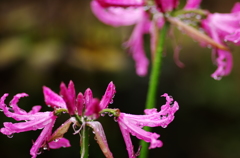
x=102, y=114
x=10, y=136
x=56, y=140
x=45, y=147
x=115, y=119
x=110, y=114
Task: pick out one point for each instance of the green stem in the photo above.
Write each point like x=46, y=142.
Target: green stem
x=153, y=84
x=84, y=142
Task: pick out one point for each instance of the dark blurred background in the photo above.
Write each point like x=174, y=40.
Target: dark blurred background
x=46, y=42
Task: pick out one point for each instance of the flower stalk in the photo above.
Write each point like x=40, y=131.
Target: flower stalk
x=153, y=83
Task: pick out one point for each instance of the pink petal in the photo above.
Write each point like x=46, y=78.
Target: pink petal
x=53, y=99
x=92, y=111
x=88, y=97
x=69, y=95
x=236, y=8
x=43, y=137
x=192, y=4
x=167, y=5
x=14, y=101
x=234, y=37
x=127, y=139
x=101, y=138
x=136, y=46
x=35, y=109
x=62, y=142
x=122, y=3
x=224, y=62
x=38, y=123
x=108, y=96
x=116, y=16
x=80, y=103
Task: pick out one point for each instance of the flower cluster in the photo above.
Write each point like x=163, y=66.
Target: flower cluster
x=149, y=15
x=83, y=110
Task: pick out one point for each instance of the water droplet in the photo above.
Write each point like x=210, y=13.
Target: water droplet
x=56, y=140
x=39, y=152
x=164, y=126
x=236, y=41
x=115, y=119
x=93, y=132
x=1, y=110
x=10, y=136
x=110, y=114
x=45, y=147
x=111, y=102
x=103, y=114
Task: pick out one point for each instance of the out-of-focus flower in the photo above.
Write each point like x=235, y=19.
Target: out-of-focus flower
x=133, y=124
x=223, y=27
x=148, y=16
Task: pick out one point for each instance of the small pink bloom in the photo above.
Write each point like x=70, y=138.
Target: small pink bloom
x=133, y=124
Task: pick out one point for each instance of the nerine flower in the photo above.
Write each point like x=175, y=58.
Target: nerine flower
x=84, y=106
x=128, y=12
x=133, y=124
x=222, y=28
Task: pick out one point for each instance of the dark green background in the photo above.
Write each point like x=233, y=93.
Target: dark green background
x=46, y=42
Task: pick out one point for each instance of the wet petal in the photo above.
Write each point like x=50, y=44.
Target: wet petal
x=116, y=16
x=101, y=138
x=62, y=142
x=53, y=99
x=108, y=96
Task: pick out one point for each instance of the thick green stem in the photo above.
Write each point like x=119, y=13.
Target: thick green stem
x=153, y=83
x=84, y=142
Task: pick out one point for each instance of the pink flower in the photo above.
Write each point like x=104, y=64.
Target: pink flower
x=223, y=27
x=33, y=120
x=132, y=124
x=81, y=105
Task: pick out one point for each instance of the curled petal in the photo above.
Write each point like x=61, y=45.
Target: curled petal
x=14, y=101
x=108, y=96
x=116, y=16
x=101, y=138
x=62, y=142
x=224, y=62
x=53, y=99
x=134, y=123
x=192, y=4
